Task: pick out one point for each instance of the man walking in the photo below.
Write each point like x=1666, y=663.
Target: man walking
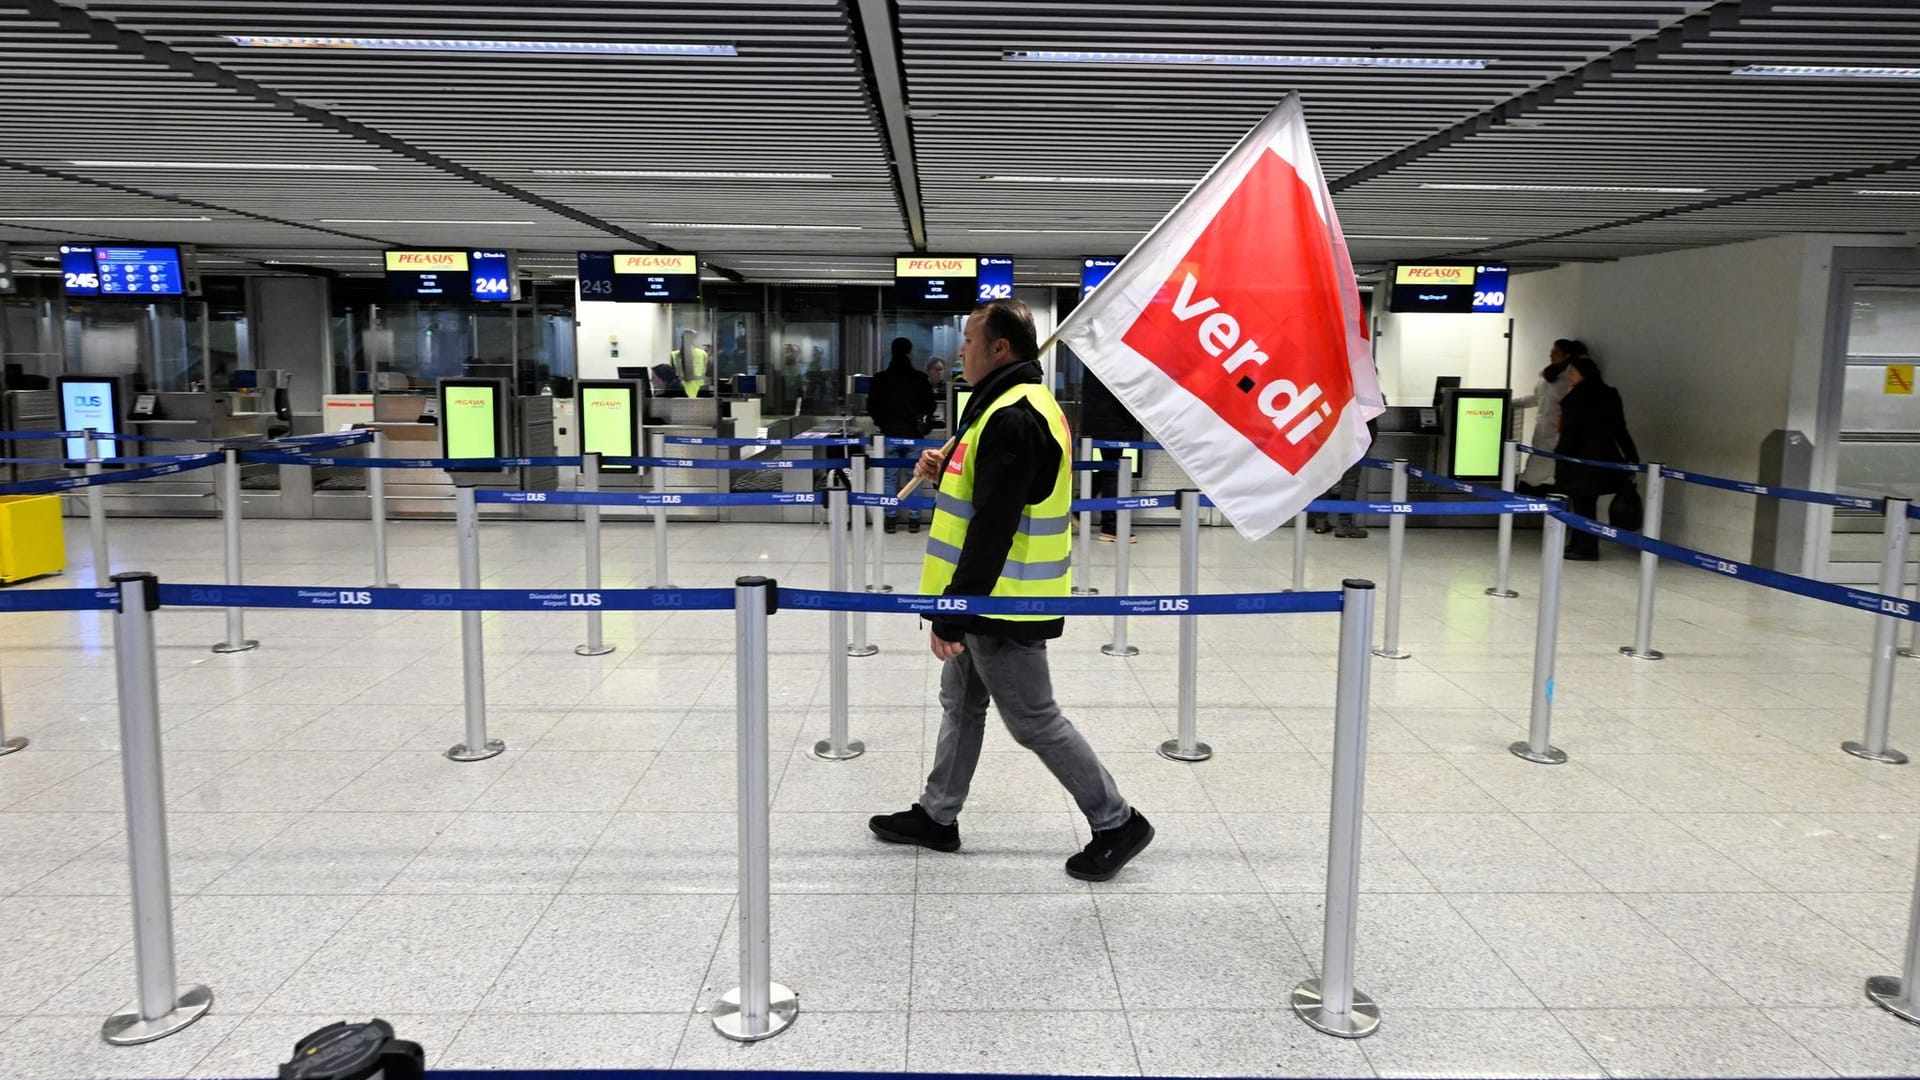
x=1000, y=529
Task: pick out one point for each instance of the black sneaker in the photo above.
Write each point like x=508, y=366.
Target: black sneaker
x=893, y=525
x=1110, y=849
x=915, y=827
x=1350, y=532
x=913, y=525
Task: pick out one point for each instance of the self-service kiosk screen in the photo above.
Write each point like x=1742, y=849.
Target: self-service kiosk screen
x=89, y=401
x=610, y=421
x=1478, y=425
x=472, y=418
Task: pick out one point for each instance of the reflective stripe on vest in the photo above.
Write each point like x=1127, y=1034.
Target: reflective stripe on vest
x=1039, y=561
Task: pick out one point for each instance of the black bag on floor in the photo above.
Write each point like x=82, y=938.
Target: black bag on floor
x=1627, y=511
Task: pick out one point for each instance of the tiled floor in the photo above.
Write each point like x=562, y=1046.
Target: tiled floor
x=1700, y=891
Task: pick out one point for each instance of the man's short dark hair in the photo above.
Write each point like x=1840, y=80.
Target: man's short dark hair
x=1012, y=320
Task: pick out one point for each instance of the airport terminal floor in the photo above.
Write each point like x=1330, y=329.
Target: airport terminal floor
x=1699, y=892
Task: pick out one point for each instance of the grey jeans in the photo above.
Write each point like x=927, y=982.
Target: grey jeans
x=1013, y=674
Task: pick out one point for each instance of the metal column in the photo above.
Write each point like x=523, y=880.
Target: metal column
x=856, y=480
x=879, y=519
x=837, y=746
x=236, y=640
x=1897, y=994
x=660, y=516
x=1538, y=746
x=1642, y=647
x=1396, y=557
x=1503, y=561
x=97, y=515
x=377, y=511
x=1886, y=630
x=1330, y=1003
x=1122, y=563
x=1083, y=547
x=473, y=660
x=1188, y=747
x=1299, y=552
x=758, y=1008
x=161, y=1007
x=590, y=483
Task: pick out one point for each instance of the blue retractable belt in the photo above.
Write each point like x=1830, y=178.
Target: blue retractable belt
x=649, y=498
x=60, y=600
x=352, y=599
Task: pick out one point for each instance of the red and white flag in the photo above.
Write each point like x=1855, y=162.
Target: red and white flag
x=1233, y=332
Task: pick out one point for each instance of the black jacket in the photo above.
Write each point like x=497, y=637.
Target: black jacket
x=1015, y=464
x=1101, y=414
x=899, y=399
x=1593, y=425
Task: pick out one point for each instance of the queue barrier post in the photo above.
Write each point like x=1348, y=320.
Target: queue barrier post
x=236, y=639
x=97, y=514
x=1083, y=538
x=590, y=483
x=160, y=1007
x=1642, y=647
x=1396, y=558
x=377, y=511
x=1188, y=747
x=1122, y=564
x=1900, y=994
x=8, y=744
x=856, y=480
x=1886, y=630
x=473, y=661
x=1330, y=1003
x=660, y=516
x=1912, y=649
x=1503, y=559
x=837, y=746
x=879, y=519
x=1538, y=746
x=1299, y=552
x=758, y=1008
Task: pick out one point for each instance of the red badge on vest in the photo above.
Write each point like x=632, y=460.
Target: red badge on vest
x=958, y=460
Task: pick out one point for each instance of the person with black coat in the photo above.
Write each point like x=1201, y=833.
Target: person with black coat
x=1103, y=417
x=1593, y=425
x=898, y=401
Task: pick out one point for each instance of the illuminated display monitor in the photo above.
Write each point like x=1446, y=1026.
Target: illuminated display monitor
x=938, y=282
x=473, y=421
x=118, y=270
x=1473, y=429
x=1467, y=288
x=995, y=280
x=89, y=401
x=476, y=274
x=1093, y=271
x=639, y=277
x=610, y=420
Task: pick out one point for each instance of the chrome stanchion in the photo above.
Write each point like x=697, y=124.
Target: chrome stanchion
x=1503, y=560
x=1886, y=629
x=879, y=519
x=161, y=1006
x=1538, y=746
x=1912, y=649
x=1122, y=563
x=1396, y=557
x=473, y=660
x=856, y=481
x=660, y=516
x=1188, y=747
x=97, y=515
x=236, y=640
x=1900, y=995
x=1299, y=552
x=758, y=1008
x=590, y=483
x=836, y=746
x=1330, y=1003
x=1642, y=647
x=1083, y=544
x=377, y=511
x=8, y=745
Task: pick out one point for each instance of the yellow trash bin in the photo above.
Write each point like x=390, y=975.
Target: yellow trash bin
x=32, y=540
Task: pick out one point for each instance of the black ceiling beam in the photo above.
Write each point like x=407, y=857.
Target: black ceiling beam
x=876, y=26
x=75, y=20
x=1695, y=27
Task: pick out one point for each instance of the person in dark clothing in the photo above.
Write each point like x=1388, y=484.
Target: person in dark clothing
x=1103, y=417
x=1593, y=425
x=898, y=401
x=1347, y=489
x=1000, y=530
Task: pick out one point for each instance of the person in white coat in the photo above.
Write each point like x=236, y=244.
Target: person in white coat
x=1545, y=401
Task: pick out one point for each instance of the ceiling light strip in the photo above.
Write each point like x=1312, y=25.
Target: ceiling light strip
x=250, y=166
x=1443, y=63
x=467, y=45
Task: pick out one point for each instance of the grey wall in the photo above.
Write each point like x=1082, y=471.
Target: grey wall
x=289, y=317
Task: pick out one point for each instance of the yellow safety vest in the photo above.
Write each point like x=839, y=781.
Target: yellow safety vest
x=1039, y=563
x=695, y=375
